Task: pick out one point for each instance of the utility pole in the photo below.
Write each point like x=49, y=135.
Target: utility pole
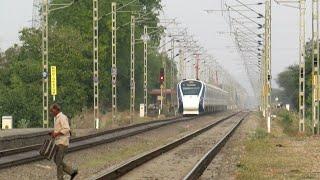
x=45, y=112
x=302, y=67
x=96, y=62
x=132, y=81
x=315, y=65
x=145, y=70
x=114, y=59
x=268, y=61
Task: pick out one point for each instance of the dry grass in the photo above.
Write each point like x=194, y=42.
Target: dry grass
x=280, y=155
x=85, y=120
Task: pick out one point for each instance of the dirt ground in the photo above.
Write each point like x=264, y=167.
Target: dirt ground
x=96, y=159
x=279, y=155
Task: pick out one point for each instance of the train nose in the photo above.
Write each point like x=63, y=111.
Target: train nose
x=191, y=104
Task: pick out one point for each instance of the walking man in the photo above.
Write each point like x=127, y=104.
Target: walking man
x=61, y=134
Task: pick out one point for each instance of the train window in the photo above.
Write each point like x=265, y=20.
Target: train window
x=191, y=87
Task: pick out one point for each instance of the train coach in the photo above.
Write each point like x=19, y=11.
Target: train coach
x=195, y=97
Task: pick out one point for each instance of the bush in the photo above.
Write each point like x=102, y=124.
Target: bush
x=289, y=122
x=259, y=133
x=23, y=123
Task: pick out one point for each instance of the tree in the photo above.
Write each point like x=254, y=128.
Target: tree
x=288, y=80
x=70, y=49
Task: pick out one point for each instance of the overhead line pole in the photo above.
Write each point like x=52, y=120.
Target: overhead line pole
x=315, y=65
x=45, y=54
x=96, y=62
x=114, y=59
x=262, y=79
x=268, y=62
x=302, y=24
x=172, y=73
x=302, y=67
x=182, y=65
x=163, y=85
x=45, y=99
x=145, y=71
x=132, y=69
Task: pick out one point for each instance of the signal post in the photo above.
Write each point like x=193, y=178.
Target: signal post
x=161, y=79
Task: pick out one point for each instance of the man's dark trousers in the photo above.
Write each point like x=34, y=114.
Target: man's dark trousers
x=62, y=166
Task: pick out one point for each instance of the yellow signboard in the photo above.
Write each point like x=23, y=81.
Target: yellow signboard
x=53, y=80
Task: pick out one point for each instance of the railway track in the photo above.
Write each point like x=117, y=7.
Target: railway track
x=199, y=167
x=29, y=154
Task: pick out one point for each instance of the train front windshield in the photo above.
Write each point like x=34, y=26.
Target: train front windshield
x=191, y=87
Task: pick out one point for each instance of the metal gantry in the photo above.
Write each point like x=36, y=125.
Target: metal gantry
x=145, y=70
x=132, y=68
x=45, y=99
x=315, y=65
x=114, y=59
x=96, y=62
x=302, y=71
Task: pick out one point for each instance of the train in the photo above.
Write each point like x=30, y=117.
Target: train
x=195, y=97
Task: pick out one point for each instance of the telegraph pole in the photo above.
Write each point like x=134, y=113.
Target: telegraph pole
x=45, y=112
x=302, y=67
x=268, y=61
x=132, y=81
x=114, y=59
x=145, y=70
x=315, y=65
x=96, y=62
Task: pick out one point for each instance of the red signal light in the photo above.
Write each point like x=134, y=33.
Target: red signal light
x=161, y=75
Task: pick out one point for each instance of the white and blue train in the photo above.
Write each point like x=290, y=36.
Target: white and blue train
x=195, y=97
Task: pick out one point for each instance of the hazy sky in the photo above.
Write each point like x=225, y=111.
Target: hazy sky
x=207, y=27
x=15, y=14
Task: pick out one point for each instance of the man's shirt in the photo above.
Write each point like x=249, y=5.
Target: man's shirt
x=62, y=125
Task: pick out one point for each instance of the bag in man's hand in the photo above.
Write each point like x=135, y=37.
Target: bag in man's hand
x=48, y=149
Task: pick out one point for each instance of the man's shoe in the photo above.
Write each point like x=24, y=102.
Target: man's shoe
x=75, y=172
